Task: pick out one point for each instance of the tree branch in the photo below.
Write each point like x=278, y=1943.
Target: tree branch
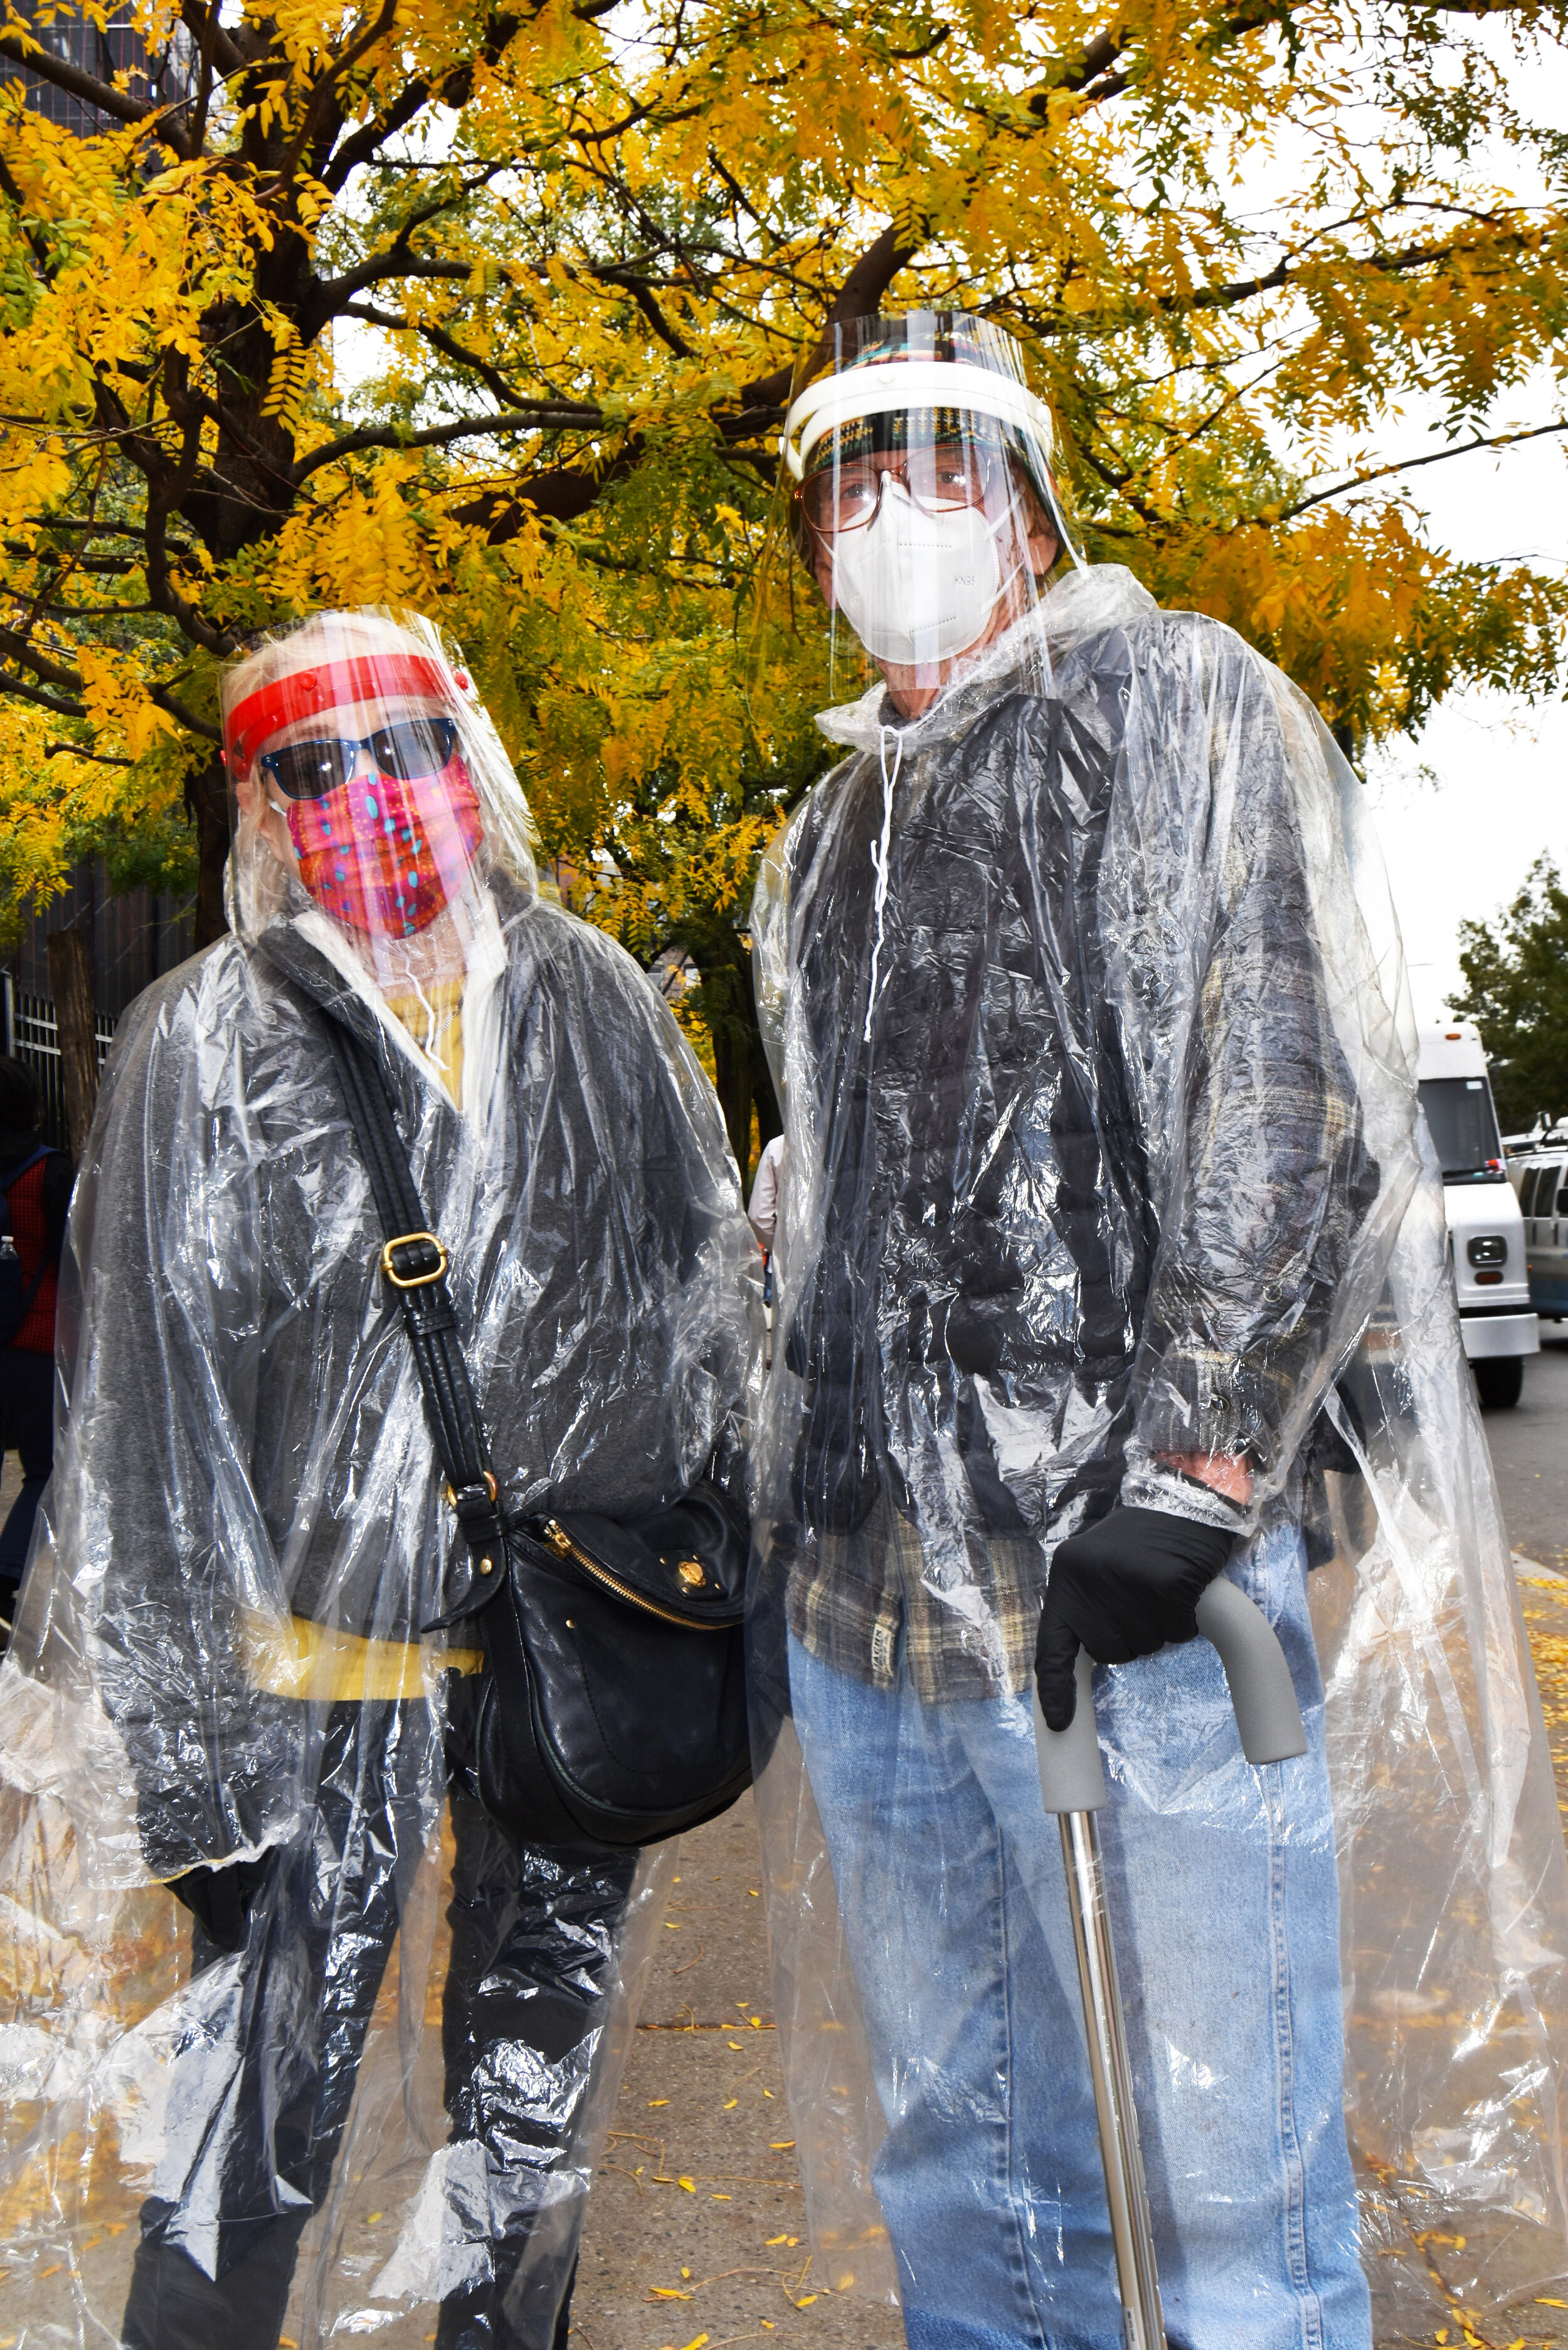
x=26, y=692
x=377, y=31
x=18, y=648
x=859, y=296
x=1411, y=465
x=537, y=416
x=92, y=92
x=176, y=709
x=642, y=295
x=202, y=25
x=454, y=90
x=76, y=751
x=440, y=340
x=334, y=292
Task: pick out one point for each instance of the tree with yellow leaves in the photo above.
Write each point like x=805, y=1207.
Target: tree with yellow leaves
x=495, y=310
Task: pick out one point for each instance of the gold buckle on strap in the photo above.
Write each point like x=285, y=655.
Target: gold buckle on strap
x=415, y=1280
x=490, y=1486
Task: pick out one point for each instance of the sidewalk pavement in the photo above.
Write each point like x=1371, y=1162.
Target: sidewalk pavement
x=696, y=2230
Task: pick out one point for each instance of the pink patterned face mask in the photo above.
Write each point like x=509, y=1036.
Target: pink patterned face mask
x=384, y=853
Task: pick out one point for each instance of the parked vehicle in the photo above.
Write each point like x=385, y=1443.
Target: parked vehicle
x=1486, y=1248
x=1540, y=1175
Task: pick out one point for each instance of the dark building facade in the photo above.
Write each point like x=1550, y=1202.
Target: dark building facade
x=134, y=936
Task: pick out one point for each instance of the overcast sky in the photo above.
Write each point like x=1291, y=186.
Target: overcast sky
x=1460, y=839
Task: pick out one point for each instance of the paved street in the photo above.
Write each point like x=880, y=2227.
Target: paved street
x=1530, y=1452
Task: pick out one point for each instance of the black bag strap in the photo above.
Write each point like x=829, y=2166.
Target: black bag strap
x=413, y=1262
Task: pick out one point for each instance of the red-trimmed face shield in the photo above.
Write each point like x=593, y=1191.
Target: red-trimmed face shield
x=362, y=760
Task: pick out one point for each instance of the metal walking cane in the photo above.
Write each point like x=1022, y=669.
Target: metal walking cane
x=1074, y=1785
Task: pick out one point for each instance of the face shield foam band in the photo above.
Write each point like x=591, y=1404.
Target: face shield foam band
x=886, y=387
x=306, y=692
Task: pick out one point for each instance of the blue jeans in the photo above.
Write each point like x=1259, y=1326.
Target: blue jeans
x=1226, y=1911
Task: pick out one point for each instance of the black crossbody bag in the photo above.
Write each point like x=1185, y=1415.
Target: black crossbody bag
x=612, y=1698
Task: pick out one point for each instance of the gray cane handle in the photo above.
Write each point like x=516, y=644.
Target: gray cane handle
x=1072, y=1778
x=1261, y=1691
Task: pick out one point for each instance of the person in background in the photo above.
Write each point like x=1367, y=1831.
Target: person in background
x=762, y=1214
x=36, y=1190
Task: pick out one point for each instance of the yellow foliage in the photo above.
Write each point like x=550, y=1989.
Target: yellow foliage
x=497, y=315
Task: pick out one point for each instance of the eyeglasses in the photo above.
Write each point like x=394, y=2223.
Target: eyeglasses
x=414, y=747
x=940, y=478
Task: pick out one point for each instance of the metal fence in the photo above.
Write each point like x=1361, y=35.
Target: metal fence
x=33, y=1035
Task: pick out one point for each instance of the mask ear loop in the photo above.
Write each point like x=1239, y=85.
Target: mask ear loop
x=879, y=856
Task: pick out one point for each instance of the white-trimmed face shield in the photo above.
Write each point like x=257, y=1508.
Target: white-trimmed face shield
x=925, y=500
x=875, y=388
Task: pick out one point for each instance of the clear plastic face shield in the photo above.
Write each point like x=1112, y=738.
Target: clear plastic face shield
x=370, y=790
x=925, y=503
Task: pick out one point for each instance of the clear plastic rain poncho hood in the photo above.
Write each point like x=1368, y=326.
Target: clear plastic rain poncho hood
x=361, y=2093
x=1104, y=1166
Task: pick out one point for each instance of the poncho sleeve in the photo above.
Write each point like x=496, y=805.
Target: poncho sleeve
x=155, y=1502
x=1269, y=1179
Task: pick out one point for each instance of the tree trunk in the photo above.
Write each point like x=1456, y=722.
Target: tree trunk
x=207, y=797
x=741, y=1078
x=770, y=1119
x=70, y=984
x=732, y=1084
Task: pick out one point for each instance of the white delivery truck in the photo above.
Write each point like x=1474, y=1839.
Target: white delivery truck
x=1486, y=1230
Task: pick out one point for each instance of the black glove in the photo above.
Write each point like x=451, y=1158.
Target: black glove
x=1122, y=1589
x=220, y=1899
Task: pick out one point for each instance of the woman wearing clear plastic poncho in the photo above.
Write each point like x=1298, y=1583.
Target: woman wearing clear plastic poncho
x=331, y=2109
x=1111, y=1249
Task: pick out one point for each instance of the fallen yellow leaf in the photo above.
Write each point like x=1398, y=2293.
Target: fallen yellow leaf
x=756, y=2023
x=782, y=2146
x=666, y=2292
x=807, y=2302
x=697, y=2344
x=370, y=2222
x=657, y=2101
x=777, y=2240
x=687, y=2185
x=720, y=2199
x=733, y=2044
x=730, y=2103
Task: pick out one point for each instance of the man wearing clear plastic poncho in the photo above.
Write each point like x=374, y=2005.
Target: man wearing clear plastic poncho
x=1111, y=1250
x=219, y=1682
